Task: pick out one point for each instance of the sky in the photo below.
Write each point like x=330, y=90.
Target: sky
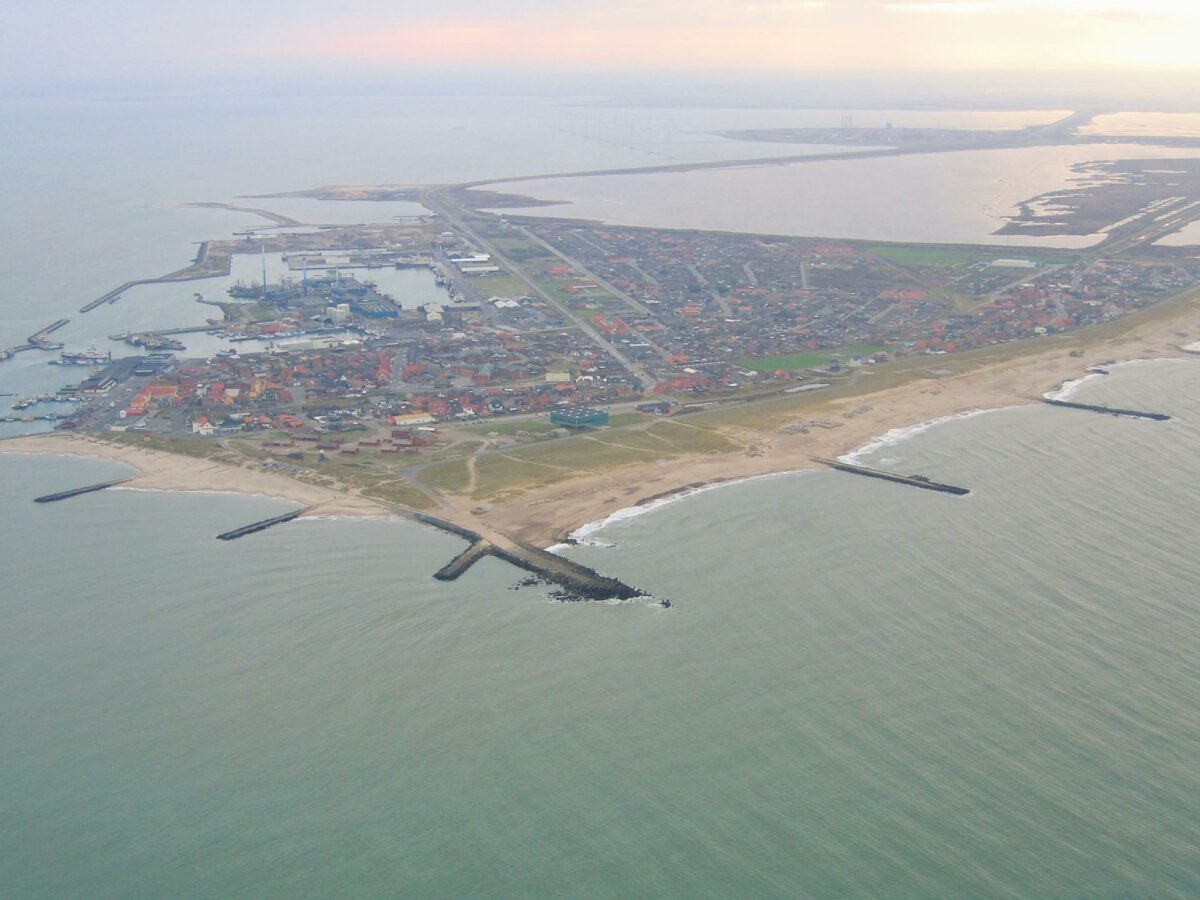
x=96, y=40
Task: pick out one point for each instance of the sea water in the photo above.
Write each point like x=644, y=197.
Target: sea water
x=860, y=688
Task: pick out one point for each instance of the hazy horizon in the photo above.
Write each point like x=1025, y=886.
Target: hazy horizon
x=1077, y=46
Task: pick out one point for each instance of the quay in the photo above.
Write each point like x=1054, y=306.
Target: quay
x=75, y=492
x=1111, y=410
x=262, y=525
x=917, y=481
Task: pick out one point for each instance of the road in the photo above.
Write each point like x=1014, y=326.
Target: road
x=434, y=200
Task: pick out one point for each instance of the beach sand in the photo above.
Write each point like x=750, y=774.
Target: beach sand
x=161, y=471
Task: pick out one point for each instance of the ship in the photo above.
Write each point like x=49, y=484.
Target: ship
x=91, y=357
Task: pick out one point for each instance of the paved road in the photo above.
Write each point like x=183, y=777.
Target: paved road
x=435, y=201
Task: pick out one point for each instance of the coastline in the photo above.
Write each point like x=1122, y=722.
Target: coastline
x=155, y=470
x=570, y=511
x=558, y=513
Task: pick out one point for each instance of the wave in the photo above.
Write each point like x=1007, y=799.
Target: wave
x=903, y=433
x=1067, y=388
x=582, y=534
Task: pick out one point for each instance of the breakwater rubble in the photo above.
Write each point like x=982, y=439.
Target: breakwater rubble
x=917, y=481
x=75, y=492
x=1110, y=410
x=262, y=525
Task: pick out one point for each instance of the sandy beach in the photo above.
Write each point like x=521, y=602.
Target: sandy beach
x=548, y=515
x=553, y=513
x=160, y=471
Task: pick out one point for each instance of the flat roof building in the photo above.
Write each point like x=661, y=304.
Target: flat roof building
x=579, y=417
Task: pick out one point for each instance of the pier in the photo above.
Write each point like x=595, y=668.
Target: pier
x=1110, y=410
x=262, y=525
x=39, y=340
x=75, y=492
x=917, y=481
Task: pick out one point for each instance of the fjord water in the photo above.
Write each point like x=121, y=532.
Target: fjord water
x=861, y=689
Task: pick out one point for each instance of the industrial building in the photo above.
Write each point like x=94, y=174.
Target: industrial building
x=579, y=417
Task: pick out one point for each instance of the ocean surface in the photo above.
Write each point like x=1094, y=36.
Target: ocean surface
x=859, y=690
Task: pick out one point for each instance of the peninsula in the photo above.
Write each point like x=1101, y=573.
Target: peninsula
x=571, y=369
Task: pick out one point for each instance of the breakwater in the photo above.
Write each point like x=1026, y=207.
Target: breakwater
x=75, y=492
x=200, y=268
x=1110, y=410
x=917, y=481
x=578, y=580
x=262, y=525
x=583, y=582
x=453, y=569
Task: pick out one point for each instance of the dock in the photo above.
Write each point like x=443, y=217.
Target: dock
x=164, y=332
x=75, y=492
x=262, y=525
x=1110, y=410
x=917, y=481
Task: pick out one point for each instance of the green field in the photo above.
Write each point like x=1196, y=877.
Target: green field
x=931, y=257
x=533, y=426
x=922, y=257
x=809, y=359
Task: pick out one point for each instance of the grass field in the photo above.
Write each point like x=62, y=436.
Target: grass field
x=790, y=362
x=950, y=257
x=533, y=426
x=399, y=492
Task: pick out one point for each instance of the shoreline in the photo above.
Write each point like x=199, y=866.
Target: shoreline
x=161, y=472
x=569, y=511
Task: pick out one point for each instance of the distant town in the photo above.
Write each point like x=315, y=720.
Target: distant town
x=547, y=327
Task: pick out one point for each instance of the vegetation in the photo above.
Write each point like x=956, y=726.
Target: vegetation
x=448, y=477
x=807, y=360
